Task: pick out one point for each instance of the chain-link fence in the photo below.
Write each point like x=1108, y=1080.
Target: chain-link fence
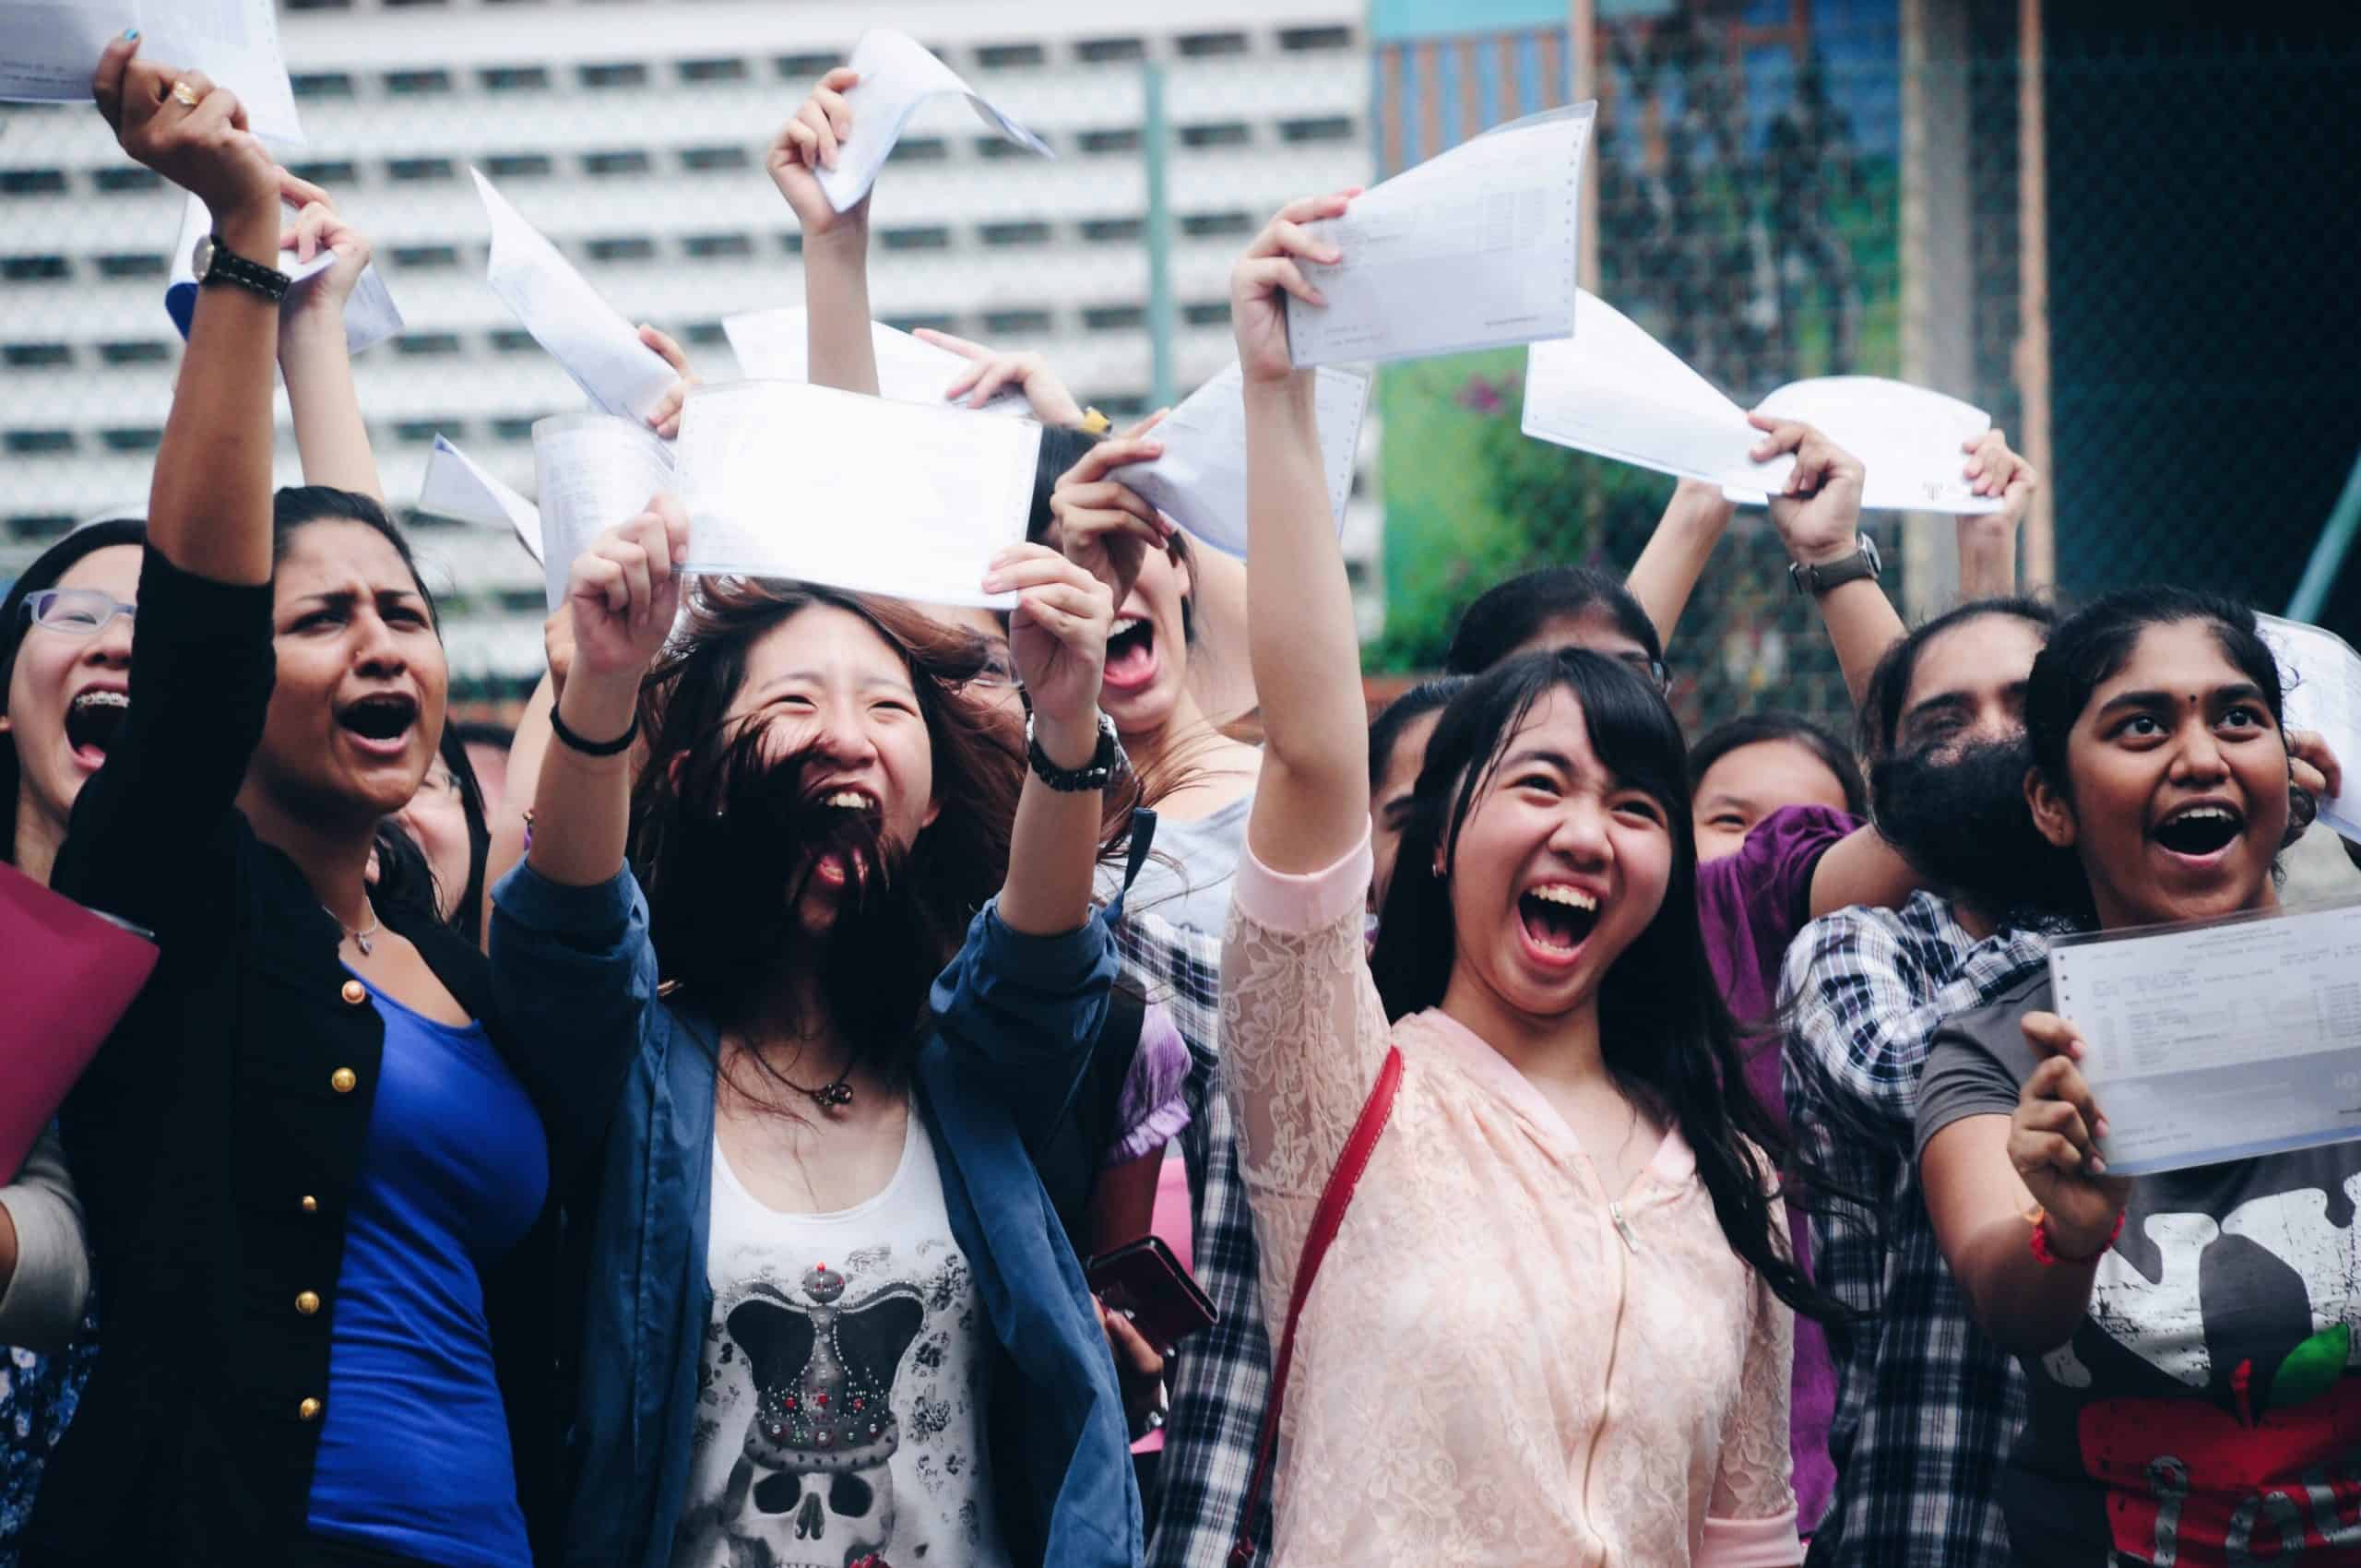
x=1784, y=188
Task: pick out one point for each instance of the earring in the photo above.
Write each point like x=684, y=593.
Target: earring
x=2303, y=810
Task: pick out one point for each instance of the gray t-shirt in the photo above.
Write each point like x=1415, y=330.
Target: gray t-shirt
x=2201, y=1415
x=1187, y=880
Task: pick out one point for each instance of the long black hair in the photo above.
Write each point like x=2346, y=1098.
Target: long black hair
x=1754, y=729
x=1666, y=1034
x=1889, y=684
x=48, y=566
x=296, y=506
x=1385, y=730
x=1509, y=614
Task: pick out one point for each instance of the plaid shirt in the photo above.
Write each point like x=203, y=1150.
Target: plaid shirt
x=1222, y=1377
x=1926, y=1408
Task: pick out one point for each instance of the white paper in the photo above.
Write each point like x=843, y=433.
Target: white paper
x=619, y=374
x=456, y=486
x=50, y=49
x=2322, y=676
x=1911, y=441
x=370, y=314
x=1200, y=482
x=592, y=471
x=863, y=493
x=1613, y=390
x=1474, y=249
x=2222, y=1041
x=896, y=75
x=775, y=345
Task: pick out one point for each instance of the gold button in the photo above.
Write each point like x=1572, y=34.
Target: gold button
x=342, y=1080
x=307, y=1303
x=308, y=1410
x=355, y=994
x=310, y=1204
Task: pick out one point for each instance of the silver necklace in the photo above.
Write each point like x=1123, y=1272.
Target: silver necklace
x=359, y=938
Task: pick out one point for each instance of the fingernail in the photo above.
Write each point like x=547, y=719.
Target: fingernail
x=993, y=584
x=131, y=35
x=2098, y=1166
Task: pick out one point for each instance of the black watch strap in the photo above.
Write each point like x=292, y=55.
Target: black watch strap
x=1100, y=771
x=225, y=266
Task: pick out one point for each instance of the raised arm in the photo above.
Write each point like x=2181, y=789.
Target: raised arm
x=835, y=245
x=1819, y=519
x=1667, y=572
x=1988, y=541
x=1311, y=805
x=330, y=435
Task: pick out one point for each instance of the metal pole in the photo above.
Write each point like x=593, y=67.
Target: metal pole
x=2328, y=555
x=2032, y=296
x=1584, y=27
x=1154, y=137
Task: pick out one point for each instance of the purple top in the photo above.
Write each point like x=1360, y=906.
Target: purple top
x=1751, y=906
x=1152, y=1110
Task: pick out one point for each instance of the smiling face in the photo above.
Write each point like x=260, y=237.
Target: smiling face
x=1559, y=868
x=827, y=684
x=1748, y=783
x=2177, y=802
x=357, y=708
x=67, y=693
x=1147, y=649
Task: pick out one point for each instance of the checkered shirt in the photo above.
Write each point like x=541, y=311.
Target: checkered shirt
x=1926, y=1408
x=1222, y=1377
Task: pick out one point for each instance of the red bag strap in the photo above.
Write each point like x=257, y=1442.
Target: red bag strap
x=1333, y=1197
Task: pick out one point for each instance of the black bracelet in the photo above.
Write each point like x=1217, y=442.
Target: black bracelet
x=593, y=748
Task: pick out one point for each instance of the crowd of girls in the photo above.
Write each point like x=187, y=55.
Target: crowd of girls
x=678, y=1139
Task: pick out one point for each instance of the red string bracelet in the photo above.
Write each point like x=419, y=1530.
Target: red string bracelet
x=2049, y=1257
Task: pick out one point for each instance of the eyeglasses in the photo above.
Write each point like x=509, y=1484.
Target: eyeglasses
x=79, y=613
x=1652, y=668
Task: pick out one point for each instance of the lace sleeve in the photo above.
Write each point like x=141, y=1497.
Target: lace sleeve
x=1750, y=1516
x=1302, y=1034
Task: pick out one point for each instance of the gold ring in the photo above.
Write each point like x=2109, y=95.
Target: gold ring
x=184, y=93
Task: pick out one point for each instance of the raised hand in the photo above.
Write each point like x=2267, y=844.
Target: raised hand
x=319, y=227
x=1057, y=639
x=1258, y=315
x=1103, y=526
x=622, y=595
x=1988, y=541
x=1819, y=513
x=2053, y=1142
x=992, y=370
x=665, y=418
x=193, y=133
x=808, y=143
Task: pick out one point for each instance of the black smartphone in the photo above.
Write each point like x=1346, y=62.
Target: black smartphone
x=1143, y=1278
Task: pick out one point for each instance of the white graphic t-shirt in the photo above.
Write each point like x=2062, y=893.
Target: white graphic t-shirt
x=841, y=1409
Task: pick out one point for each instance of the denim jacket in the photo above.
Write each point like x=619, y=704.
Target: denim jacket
x=1015, y=1019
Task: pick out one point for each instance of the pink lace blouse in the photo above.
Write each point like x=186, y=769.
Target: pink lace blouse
x=1498, y=1365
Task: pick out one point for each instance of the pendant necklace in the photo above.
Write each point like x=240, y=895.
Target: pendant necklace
x=361, y=938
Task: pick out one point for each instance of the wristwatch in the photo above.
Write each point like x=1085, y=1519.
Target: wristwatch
x=1105, y=765
x=1865, y=561
x=216, y=263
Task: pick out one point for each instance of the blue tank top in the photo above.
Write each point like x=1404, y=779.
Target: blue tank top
x=414, y=1456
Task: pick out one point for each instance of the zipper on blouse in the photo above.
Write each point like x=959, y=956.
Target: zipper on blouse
x=1623, y=1227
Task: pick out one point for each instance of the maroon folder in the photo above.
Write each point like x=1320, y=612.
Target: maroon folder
x=67, y=978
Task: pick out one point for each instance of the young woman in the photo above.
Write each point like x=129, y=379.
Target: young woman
x=1748, y=767
x=1397, y=753
x=2185, y=1335
x=1561, y=1280
x=334, y=1169
x=845, y=1323
x=446, y=820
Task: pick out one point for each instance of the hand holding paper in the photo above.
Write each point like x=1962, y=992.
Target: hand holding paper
x=775, y=345
x=370, y=314
x=1200, y=481
x=894, y=75
x=49, y=51
x=592, y=471
x=2323, y=677
x=601, y=350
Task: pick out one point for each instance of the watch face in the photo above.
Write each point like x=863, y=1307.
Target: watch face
x=201, y=260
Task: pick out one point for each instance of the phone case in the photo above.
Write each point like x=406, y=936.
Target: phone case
x=1144, y=1279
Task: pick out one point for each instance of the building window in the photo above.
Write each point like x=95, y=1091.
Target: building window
x=330, y=171
x=792, y=241
x=35, y=356
x=141, y=350
x=920, y=149
x=726, y=70
x=513, y=78
x=34, y=268
x=1010, y=56
x=1200, y=225
x=417, y=84
x=1207, y=313
x=126, y=179
x=520, y=166
x=707, y=334
x=421, y=433
x=602, y=165
x=33, y=440
x=1030, y=232
x=994, y=149
x=631, y=247
x=427, y=345
x=913, y=323
x=133, y=438
x=427, y=259
x=926, y=237
x=311, y=84
x=1106, y=51
x=1229, y=133
x=1304, y=39
x=1123, y=140
x=415, y=171
x=1114, y=318
x=513, y=340
x=513, y=430
x=1026, y=323
x=1327, y=128
x=808, y=66
x=1112, y=230
x=619, y=73
x=1206, y=46
x=1125, y=406
x=137, y=264
x=700, y=159
x=711, y=246
x=319, y=5
x=32, y=182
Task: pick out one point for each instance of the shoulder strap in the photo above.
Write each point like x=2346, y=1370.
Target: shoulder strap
x=1325, y=1219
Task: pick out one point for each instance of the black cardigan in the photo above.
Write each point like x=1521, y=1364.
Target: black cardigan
x=217, y=1139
